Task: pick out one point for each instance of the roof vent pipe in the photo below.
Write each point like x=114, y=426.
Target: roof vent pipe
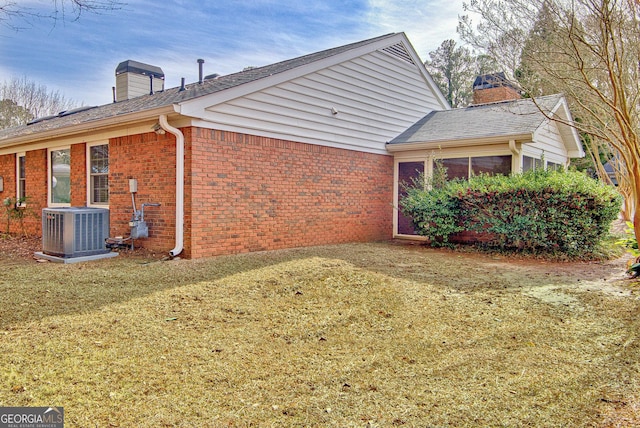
x=182, y=88
x=200, y=62
x=113, y=89
x=151, y=84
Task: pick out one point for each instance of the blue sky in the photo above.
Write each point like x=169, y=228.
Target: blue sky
x=79, y=57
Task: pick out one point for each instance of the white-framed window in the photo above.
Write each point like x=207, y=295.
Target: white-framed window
x=553, y=166
x=465, y=167
x=21, y=178
x=59, y=166
x=98, y=174
x=529, y=163
x=407, y=170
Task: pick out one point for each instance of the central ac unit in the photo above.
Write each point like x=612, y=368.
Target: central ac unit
x=74, y=231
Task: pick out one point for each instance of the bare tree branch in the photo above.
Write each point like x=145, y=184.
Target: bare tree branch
x=22, y=100
x=12, y=11
x=590, y=51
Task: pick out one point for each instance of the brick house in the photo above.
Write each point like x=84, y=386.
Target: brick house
x=291, y=154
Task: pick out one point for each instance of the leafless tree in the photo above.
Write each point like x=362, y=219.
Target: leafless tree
x=12, y=10
x=590, y=51
x=22, y=100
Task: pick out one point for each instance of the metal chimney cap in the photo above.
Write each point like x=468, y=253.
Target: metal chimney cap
x=136, y=67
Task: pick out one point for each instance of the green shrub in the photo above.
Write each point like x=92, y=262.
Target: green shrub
x=435, y=213
x=535, y=212
x=629, y=242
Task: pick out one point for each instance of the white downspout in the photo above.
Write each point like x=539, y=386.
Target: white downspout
x=516, y=163
x=179, y=183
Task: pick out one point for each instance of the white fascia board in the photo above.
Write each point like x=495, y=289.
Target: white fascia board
x=435, y=145
x=570, y=132
x=195, y=107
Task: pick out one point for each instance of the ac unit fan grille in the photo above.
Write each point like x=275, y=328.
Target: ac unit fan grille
x=74, y=231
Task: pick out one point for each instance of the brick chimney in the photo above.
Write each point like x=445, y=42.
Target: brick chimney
x=492, y=88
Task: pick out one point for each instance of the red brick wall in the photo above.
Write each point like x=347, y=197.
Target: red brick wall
x=242, y=193
x=36, y=188
x=151, y=159
x=252, y=193
x=78, y=175
x=492, y=95
x=8, y=173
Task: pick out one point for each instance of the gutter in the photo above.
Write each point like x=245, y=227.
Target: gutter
x=119, y=120
x=441, y=144
x=179, y=240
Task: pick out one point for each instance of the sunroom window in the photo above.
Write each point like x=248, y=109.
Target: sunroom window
x=464, y=168
x=407, y=173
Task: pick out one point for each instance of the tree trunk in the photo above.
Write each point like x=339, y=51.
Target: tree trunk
x=634, y=177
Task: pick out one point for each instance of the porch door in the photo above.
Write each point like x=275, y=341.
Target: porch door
x=407, y=172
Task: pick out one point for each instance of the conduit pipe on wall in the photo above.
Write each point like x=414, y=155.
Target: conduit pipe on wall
x=179, y=183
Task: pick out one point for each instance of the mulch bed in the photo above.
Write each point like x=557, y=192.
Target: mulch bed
x=23, y=247
x=19, y=246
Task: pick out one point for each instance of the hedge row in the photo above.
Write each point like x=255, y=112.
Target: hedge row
x=535, y=212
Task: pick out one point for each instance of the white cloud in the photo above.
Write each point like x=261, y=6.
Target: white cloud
x=427, y=23
x=80, y=57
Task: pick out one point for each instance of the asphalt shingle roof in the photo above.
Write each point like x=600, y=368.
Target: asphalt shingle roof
x=175, y=95
x=479, y=121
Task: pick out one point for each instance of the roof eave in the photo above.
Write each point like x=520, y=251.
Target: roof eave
x=100, y=124
x=438, y=144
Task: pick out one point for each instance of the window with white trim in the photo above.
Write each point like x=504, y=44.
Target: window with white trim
x=21, y=178
x=466, y=167
x=529, y=163
x=59, y=176
x=98, y=169
x=554, y=166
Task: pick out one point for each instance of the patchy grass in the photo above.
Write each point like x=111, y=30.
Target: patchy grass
x=351, y=335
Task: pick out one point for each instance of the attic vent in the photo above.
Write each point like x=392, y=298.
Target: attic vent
x=398, y=50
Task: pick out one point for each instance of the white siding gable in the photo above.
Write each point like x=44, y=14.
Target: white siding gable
x=358, y=104
x=548, y=141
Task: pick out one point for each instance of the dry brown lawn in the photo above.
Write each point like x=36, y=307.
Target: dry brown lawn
x=350, y=335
